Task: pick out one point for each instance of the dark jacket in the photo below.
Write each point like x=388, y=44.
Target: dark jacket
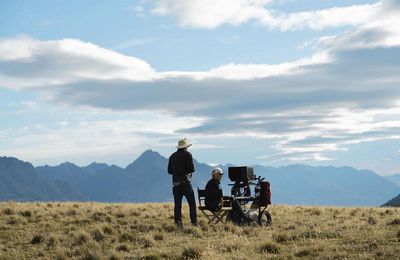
x=180, y=165
x=213, y=194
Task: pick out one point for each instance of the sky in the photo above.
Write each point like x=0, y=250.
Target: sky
x=268, y=82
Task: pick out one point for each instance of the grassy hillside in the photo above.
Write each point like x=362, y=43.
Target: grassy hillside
x=146, y=231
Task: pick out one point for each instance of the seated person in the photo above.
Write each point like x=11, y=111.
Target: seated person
x=213, y=190
x=213, y=200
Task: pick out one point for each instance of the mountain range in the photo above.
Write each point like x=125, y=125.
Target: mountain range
x=146, y=180
x=20, y=181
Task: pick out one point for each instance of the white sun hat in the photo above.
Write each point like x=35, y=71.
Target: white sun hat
x=216, y=170
x=183, y=143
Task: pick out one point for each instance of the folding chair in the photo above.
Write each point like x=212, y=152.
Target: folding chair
x=213, y=217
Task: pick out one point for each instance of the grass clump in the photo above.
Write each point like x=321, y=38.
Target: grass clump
x=135, y=213
x=120, y=215
x=122, y=247
x=195, y=232
x=232, y=246
x=353, y=213
x=63, y=254
x=158, y=236
x=37, y=239
x=52, y=241
x=395, y=221
x=303, y=253
x=91, y=254
x=12, y=221
x=269, y=248
x=369, y=246
x=281, y=238
x=151, y=257
x=371, y=221
x=169, y=227
x=98, y=235
x=126, y=237
x=115, y=256
x=8, y=211
x=81, y=238
x=98, y=216
x=72, y=212
x=192, y=252
x=251, y=231
x=146, y=242
x=107, y=229
x=26, y=213
x=312, y=234
x=315, y=212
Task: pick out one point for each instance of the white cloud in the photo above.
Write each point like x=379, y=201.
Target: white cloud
x=213, y=13
x=47, y=63
x=327, y=18
x=381, y=31
x=43, y=63
x=346, y=93
x=9, y=52
x=234, y=71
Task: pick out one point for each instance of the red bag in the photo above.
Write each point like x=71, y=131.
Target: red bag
x=265, y=194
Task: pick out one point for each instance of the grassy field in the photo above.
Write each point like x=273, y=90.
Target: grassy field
x=146, y=231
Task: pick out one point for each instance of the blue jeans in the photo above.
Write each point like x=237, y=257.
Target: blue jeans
x=187, y=191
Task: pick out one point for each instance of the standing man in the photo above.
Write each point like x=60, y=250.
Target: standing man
x=181, y=167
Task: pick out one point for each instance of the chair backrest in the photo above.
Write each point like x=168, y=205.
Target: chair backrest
x=201, y=194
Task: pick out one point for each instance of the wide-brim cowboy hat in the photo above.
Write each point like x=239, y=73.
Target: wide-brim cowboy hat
x=183, y=143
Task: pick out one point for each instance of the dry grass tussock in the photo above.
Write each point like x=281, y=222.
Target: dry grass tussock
x=146, y=231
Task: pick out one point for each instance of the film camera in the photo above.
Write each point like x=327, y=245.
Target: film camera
x=242, y=177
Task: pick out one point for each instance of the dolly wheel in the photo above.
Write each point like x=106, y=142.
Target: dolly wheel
x=265, y=219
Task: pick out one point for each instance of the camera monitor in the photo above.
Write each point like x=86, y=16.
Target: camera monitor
x=241, y=174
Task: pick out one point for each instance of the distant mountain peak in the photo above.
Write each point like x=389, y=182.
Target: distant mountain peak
x=148, y=157
x=95, y=167
x=12, y=160
x=68, y=164
x=9, y=158
x=150, y=152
